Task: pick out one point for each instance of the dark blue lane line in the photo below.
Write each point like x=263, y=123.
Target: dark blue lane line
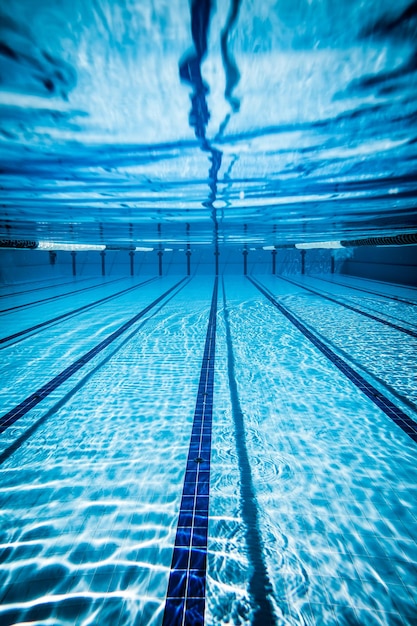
x=407, y=331
x=59, y=295
x=73, y=312
x=372, y=303
x=51, y=286
x=260, y=588
x=408, y=425
x=31, y=430
x=185, y=601
x=31, y=401
x=374, y=293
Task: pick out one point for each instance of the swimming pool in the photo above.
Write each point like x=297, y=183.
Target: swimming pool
x=207, y=310
x=219, y=451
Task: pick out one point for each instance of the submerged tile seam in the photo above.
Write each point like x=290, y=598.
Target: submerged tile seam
x=408, y=425
x=185, y=601
x=31, y=401
x=260, y=587
x=73, y=312
x=407, y=331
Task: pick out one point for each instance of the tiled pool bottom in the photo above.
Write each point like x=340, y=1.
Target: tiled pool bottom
x=313, y=488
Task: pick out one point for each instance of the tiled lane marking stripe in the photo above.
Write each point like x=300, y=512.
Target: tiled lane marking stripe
x=51, y=286
x=402, y=420
x=58, y=295
x=29, y=431
x=374, y=293
x=185, y=602
x=31, y=401
x=74, y=312
x=412, y=333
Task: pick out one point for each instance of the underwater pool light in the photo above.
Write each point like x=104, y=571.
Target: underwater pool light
x=142, y=249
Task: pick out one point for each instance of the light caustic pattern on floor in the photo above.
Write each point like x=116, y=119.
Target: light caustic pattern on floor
x=313, y=487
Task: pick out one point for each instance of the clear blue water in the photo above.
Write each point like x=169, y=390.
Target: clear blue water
x=90, y=500
x=182, y=127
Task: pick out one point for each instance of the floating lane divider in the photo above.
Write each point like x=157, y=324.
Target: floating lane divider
x=408, y=425
x=74, y=312
x=407, y=331
x=185, y=602
x=31, y=401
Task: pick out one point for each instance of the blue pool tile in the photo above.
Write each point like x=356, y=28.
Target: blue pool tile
x=198, y=559
x=177, y=584
x=194, y=612
x=180, y=558
x=174, y=611
x=203, y=489
x=200, y=519
x=191, y=463
x=189, y=489
x=183, y=537
x=195, y=453
x=199, y=537
x=196, y=584
x=193, y=516
x=202, y=504
x=196, y=440
x=185, y=518
x=187, y=503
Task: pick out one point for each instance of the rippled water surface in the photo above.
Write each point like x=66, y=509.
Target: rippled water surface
x=258, y=122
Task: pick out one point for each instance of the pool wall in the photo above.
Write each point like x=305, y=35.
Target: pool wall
x=392, y=263
x=396, y=264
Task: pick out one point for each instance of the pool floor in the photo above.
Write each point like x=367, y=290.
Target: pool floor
x=239, y=450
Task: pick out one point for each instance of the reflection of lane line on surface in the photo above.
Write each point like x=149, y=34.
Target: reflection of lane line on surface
x=185, y=601
x=53, y=286
x=400, y=418
x=59, y=295
x=74, y=312
x=374, y=293
x=31, y=401
x=36, y=425
x=407, y=331
x=260, y=587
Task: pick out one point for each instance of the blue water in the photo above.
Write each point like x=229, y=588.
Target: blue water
x=262, y=123
x=91, y=477
x=210, y=130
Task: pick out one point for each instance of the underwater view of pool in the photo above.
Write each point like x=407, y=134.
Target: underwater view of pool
x=208, y=459
x=208, y=330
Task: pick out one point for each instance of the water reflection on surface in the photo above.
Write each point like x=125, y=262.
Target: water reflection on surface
x=294, y=119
